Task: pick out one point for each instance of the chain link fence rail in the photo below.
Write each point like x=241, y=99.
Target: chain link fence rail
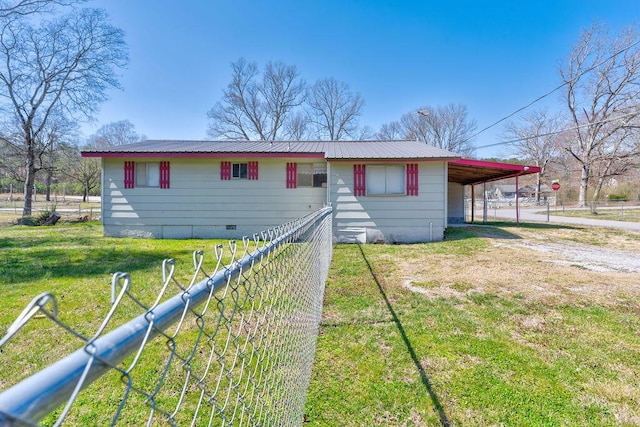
x=235, y=348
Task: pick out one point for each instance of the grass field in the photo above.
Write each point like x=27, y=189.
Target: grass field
x=474, y=331
x=70, y=208
x=477, y=330
x=613, y=214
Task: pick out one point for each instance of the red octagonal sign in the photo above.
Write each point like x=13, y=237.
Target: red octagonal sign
x=555, y=186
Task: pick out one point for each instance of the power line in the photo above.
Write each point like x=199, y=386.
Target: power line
x=550, y=92
x=513, y=141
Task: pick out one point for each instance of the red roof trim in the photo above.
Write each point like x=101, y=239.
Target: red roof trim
x=207, y=155
x=496, y=165
x=394, y=160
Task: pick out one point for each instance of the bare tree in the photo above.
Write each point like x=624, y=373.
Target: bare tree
x=63, y=65
x=537, y=139
x=334, y=109
x=448, y=127
x=115, y=133
x=298, y=127
x=602, y=85
x=254, y=107
x=390, y=131
x=55, y=137
x=363, y=133
x=615, y=158
x=85, y=171
x=45, y=148
x=15, y=9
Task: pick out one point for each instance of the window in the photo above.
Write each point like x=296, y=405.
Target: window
x=306, y=175
x=247, y=170
x=319, y=175
x=146, y=174
x=239, y=170
x=385, y=180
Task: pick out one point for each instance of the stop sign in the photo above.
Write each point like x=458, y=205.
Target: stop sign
x=555, y=186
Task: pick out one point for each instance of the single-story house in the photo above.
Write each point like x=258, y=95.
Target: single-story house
x=507, y=192
x=391, y=191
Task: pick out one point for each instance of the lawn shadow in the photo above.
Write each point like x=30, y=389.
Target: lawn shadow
x=49, y=263
x=444, y=420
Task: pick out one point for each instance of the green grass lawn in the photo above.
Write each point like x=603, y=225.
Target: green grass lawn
x=467, y=350
x=76, y=264
x=462, y=332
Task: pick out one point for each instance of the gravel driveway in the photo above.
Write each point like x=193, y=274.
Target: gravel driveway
x=585, y=256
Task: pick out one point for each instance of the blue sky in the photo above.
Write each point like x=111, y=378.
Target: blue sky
x=492, y=56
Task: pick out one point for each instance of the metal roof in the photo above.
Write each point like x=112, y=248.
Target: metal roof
x=174, y=146
x=385, y=150
x=463, y=171
x=332, y=150
x=469, y=171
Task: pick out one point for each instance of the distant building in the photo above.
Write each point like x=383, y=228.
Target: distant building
x=507, y=192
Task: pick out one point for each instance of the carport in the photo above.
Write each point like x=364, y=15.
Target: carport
x=473, y=172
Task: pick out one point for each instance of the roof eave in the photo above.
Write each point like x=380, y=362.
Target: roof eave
x=186, y=155
x=390, y=159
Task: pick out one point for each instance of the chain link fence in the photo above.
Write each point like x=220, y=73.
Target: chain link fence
x=233, y=347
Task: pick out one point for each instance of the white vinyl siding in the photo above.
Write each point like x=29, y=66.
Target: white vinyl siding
x=455, y=203
x=401, y=218
x=200, y=204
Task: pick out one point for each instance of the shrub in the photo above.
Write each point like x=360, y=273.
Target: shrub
x=618, y=197
x=29, y=220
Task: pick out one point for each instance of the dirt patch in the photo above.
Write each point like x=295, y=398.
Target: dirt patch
x=536, y=266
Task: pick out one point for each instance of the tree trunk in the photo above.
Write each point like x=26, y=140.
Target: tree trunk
x=538, y=188
x=598, y=189
x=53, y=219
x=29, y=181
x=85, y=194
x=584, y=184
x=48, y=185
x=601, y=179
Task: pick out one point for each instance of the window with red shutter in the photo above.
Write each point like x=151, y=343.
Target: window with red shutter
x=292, y=175
x=412, y=179
x=359, y=180
x=129, y=174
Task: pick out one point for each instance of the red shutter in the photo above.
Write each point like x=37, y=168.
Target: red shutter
x=252, y=170
x=412, y=179
x=359, y=179
x=129, y=175
x=292, y=175
x=225, y=171
x=165, y=172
